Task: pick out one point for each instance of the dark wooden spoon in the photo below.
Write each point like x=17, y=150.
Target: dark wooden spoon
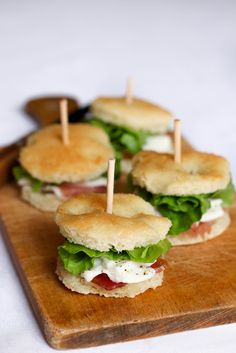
x=45, y=110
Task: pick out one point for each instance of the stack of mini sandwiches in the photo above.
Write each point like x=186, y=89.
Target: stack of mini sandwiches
x=123, y=253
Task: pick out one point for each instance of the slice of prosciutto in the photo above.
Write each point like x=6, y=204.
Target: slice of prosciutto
x=105, y=282
x=72, y=189
x=199, y=228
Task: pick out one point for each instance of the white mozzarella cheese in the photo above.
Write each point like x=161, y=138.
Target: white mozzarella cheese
x=214, y=212
x=55, y=190
x=120, y=271
x=159, y=143
x=24, y=182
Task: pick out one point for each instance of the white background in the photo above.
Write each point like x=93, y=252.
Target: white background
x=182, y=54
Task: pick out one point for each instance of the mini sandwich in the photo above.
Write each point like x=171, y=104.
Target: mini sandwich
x=50, y=172
x=193, y=194
x=132, y=127
x=113, y=255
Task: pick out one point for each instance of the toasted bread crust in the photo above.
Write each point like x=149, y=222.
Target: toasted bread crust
x=138, y=115
x=85, y=158
x=133, y=223
x=198, y=173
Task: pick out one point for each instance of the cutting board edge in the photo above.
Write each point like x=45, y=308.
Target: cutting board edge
x=60, y=338
x=141, y=330
x=24, y=282
x=119, y=333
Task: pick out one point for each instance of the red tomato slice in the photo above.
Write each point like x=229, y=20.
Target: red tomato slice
x=72, y=189
x=159, y=265
x=105, y=282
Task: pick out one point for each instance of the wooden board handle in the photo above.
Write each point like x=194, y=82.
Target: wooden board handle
x=7, y=161
x=46, y=110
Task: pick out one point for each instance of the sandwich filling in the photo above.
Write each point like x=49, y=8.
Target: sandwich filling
x=189, y=213
x=112, y=269
x=61, y=191
x=125, y=140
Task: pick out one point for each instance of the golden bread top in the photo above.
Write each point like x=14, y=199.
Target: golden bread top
x=138, y=115
x=198, y=173
x=83, y=220
x=46, y=158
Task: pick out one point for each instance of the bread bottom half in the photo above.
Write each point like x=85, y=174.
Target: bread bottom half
x=218, y=227
x=44, y=202
x=80, y=285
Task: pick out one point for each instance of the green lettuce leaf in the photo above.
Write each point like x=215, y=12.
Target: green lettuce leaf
x=149, y=253
x=78, y=258
x=227, y=195
x=20, y=173
x=122, y=139
x=183, y=211
x=75, y=263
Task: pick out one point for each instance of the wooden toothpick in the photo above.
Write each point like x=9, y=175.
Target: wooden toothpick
x=129, y=90
x=110, y=184
x=177, y=140
x=64, y=121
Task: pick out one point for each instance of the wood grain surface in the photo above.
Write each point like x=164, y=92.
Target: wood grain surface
x=199, y=287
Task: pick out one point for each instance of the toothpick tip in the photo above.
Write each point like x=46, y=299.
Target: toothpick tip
x=129, y=90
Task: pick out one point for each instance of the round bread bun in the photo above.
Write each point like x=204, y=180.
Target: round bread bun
x=83, y=219
x=46, y=158
x=218, y=227
x=198, y=173
x=43, y=202
x=138, y=115
x=80, y=285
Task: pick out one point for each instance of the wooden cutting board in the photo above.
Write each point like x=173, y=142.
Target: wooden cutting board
x=199, y=287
